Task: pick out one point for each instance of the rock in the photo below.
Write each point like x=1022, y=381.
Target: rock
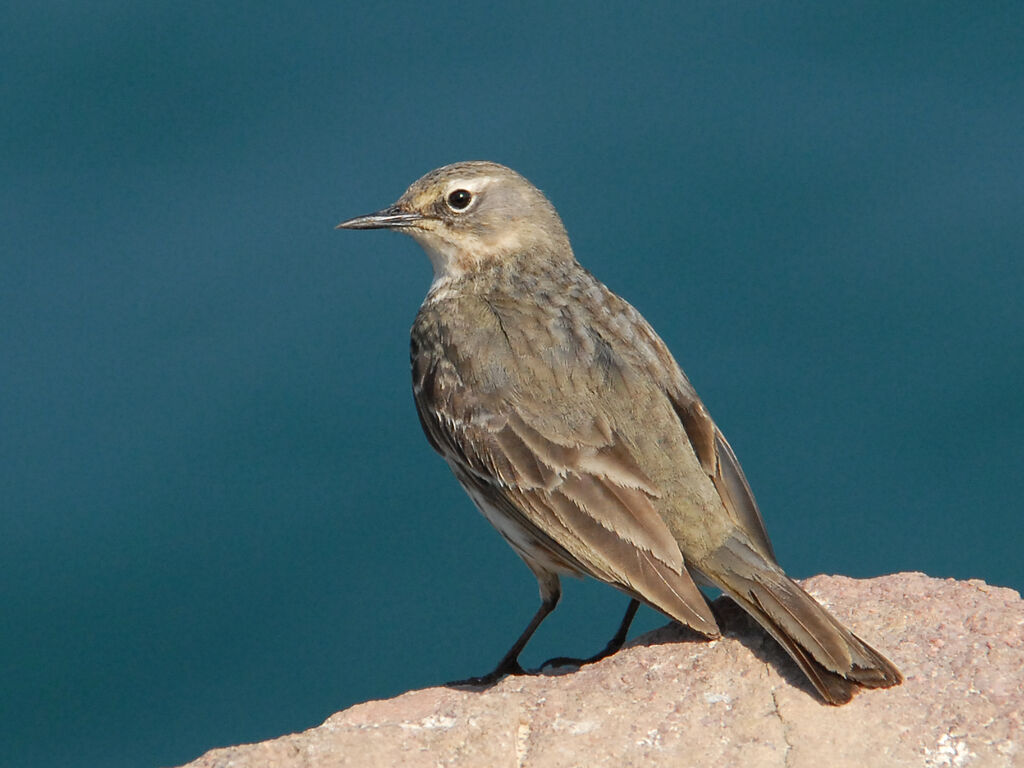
x=671, y=699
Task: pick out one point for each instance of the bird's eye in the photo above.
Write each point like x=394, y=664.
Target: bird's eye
x=459, y=199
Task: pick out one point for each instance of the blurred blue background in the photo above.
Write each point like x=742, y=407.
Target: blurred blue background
x=220, y=522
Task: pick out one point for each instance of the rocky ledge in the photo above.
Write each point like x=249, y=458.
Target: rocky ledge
x=670, y=699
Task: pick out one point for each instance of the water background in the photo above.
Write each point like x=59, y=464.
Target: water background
x=219, y=521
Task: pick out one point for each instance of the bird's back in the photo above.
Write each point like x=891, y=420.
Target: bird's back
x=580, y=366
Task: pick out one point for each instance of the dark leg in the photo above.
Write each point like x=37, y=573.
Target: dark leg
x=613, y=645
x=509, y=664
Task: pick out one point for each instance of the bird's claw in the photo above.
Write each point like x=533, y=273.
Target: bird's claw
x=486, y=681
x=565, y=661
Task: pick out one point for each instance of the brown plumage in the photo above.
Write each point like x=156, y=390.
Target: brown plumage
x=572, y=428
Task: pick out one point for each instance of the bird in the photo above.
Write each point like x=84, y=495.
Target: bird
x=577, y=435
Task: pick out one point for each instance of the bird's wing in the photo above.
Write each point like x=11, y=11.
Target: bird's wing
x=718, y=460
x=579, y=492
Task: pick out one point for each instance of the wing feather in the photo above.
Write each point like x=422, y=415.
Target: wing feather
x=720, y=463
x=579, y=494
x=608, y=556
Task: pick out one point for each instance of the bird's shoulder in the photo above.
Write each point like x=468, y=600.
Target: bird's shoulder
x=545, y=327
x=457, y=344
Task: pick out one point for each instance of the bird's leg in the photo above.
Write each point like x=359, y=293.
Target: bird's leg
x=613, y=645
x=509, y=664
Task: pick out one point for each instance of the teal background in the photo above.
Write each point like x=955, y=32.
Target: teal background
x=219, y=521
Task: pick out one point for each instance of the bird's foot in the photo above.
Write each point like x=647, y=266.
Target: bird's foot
x=486, y=681
x=567, y=661
x=613, y=645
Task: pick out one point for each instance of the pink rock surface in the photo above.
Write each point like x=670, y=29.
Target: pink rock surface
x=670, y=699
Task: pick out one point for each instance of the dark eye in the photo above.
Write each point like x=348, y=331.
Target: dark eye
x=459, y=199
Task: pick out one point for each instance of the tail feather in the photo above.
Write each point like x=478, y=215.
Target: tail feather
x=834, y=659
x=832, y=686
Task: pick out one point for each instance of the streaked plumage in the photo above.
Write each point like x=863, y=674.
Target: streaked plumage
x=572, y=428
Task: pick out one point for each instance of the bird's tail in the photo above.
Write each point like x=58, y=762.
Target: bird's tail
x=834, y=659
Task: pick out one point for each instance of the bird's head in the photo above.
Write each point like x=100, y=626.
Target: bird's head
x=468, y=215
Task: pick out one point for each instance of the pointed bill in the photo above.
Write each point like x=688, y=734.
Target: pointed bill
x=389, y=218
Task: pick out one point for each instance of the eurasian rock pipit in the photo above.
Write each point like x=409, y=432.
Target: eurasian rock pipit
x=570, y=425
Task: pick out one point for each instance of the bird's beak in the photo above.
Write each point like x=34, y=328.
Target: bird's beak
x=389, y=218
